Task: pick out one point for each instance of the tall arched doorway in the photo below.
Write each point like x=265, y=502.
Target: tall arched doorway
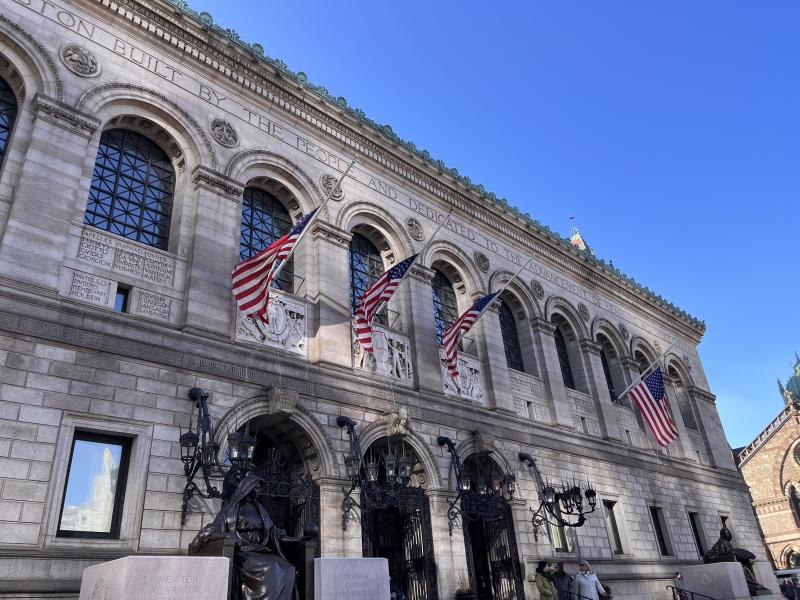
x=489, y=537
x=396, y=518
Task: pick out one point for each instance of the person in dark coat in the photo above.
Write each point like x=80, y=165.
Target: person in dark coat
x=562, y=581
x=261, y=572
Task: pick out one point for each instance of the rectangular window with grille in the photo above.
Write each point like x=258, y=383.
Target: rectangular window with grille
x=661, y=531
x=609, y=513
x=697, y=532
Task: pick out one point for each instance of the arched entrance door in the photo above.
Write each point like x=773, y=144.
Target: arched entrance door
x=289, y=492
x=491, y=544
x=396, y=518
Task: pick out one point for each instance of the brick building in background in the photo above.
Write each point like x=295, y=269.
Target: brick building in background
x=145, y=150
x=771, y=467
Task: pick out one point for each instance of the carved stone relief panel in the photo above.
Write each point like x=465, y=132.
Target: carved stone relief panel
x=469, y=383
x=528, y=388
x=582, y=403
x=286, y=329
x=391, y=355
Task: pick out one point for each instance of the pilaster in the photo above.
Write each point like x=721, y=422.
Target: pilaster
x=448, y=550
x=715, y=439
x=491, y=351
x=551, y=371
x=598, y=389
x=336, y=541
x=422, y=331
x=48, y=190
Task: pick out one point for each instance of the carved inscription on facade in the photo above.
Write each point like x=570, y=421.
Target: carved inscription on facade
x=153, y=306
x=90, y=288
x=126, y=258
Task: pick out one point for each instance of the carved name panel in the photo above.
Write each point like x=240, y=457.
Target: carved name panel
x=469, y=383
x=582, y=403
x=152, y=305
x=124, y=257
x=286, y=329
x=90, y=288
x=391, y=356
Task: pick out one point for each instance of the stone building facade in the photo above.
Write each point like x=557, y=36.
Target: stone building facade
x=770, y=465
x=145, y=150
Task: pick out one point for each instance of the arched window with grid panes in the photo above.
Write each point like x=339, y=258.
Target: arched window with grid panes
x=366, y=266
x=264, y=220
x=445, y=306
x=133, y=186
x=508, y=328
x=8, y=115
x=563, y=359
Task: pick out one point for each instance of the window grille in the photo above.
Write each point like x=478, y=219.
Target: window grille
x=563, y=359
x=132, y=188
x=366, y=266
x=8, y=114
x=445, y=306
x=264, y=220
x=508, y=327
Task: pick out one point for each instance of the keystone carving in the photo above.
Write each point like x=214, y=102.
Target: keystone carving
x=397, y=423
x=484, y=442
x=280, y=400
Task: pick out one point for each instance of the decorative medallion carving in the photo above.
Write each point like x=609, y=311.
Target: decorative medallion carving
x=482, y=261
x=623, y=331
x=328, y=181
x=397, y=423
x=657, y=345
x=583, y=311
x=537, y=289
x=415, y=229
x=79, y=60
x=224, y=133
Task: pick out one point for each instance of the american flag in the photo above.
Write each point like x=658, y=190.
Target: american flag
x=462, y=325
x=252, y=277
x=378, y=293
x=651, y=398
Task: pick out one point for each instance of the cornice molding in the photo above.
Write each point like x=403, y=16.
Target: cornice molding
x=221, y=50
x=64, y=116
x=331, y=234
x=205, y=178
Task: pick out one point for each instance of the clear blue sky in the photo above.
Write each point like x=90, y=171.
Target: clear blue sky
x=671, y=130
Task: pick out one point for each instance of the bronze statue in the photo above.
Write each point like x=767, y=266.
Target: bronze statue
x=724, y=551
x=261, y=571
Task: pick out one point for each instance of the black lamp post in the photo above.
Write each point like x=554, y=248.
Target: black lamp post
x=562, y=507
x=479, y=497
x=199, y=450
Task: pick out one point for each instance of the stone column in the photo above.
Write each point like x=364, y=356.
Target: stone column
x=716, y=442
x=598, y=389
x=683, y=447
x=550, y=371
x=630, y=372
x=328, y=281
x=491, y=351
x=215, y=245
x=47, y=192
x=334, y=539
x=448, y=550
x=422, y=331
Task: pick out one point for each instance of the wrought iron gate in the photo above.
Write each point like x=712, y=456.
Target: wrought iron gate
x=492, y=557
x=400, y=531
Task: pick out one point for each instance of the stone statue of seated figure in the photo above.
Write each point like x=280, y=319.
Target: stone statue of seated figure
x=723, y=551
x=260, y=572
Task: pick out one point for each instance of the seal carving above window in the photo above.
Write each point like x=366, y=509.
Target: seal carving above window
x=224, y=133
x=415, y=229
x=328, y=181
x=482, y=261
x=79, y=60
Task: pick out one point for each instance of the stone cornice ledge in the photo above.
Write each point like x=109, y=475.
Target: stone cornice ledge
x=203, y=177
x=64, y=116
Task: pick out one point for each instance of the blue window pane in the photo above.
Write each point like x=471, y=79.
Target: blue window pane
x=366, y=266
x=8, y=114
x=264, y=220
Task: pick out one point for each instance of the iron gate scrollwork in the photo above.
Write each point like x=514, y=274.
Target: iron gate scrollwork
x=406, y=510
x=291, y=498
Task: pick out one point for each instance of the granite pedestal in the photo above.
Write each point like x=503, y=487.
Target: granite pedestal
x=722, y=581
x=351, y=579
x=157, y=578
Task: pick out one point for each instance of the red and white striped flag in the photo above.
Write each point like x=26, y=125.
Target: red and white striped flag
x=252, y=277
x=378, y=293
x=651, y=398
x=462, y=325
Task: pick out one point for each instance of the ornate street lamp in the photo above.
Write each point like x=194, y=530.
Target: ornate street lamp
x=199, y=450
x=562, y=507
x=479, y=497
x=376, y=493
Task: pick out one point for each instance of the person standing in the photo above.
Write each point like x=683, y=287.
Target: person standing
x=562, y=581
x=587, y=584
x=543, y=583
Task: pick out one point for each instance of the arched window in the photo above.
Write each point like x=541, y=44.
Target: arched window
x=132, y=188
x=684, y=402
x=607, y=372
x=563, y=359
x=508, y=327
x=642, y=361
x=794, y=500
x=366, y=266
x=612, y=369
x=8, y=114
x=264, y=220
x=445, y=306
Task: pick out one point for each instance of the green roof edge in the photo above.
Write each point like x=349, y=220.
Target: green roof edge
x=341, y=101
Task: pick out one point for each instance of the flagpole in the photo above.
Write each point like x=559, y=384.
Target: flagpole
x=646, y=370
x=428, y=243
x=313, y=218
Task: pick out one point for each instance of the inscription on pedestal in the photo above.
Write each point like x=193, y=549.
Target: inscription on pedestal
x=351, y=579
x=90, y=288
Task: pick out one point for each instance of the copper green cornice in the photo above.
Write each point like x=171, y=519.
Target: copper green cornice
x=501, y=203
